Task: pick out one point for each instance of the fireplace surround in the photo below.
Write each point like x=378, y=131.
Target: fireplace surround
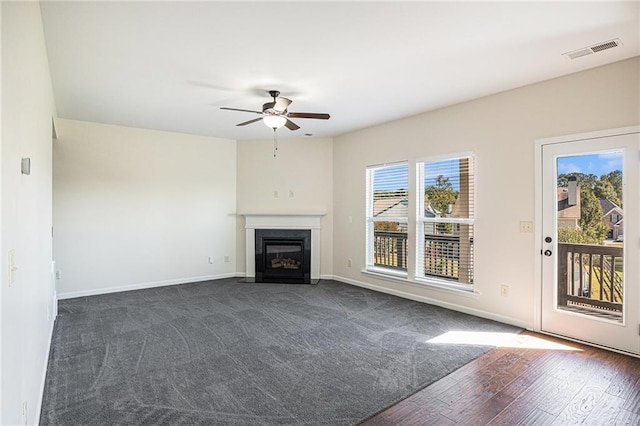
x=309, y=222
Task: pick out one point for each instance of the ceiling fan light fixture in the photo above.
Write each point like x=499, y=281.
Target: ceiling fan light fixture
x=274, y=121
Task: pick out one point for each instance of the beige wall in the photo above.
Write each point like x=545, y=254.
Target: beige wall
x=500, y=130
x=137, y=208
x=303, y=166
x=26, y=305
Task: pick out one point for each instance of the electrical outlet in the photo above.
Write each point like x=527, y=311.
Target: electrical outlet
x=24, y=413
x=349, y=263
x=226, y=259
x=526, y=227
x=58, y=274
x=275, y=194
x=504, y=290
x=211, y=260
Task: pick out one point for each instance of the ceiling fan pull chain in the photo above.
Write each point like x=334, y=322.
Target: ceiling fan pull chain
x=275, y=142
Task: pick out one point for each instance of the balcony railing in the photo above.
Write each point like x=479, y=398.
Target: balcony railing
x=590, y=279
x=390, y=249
x=441, y=254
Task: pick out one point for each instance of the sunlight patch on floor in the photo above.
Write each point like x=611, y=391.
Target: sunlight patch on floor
x=499, y=340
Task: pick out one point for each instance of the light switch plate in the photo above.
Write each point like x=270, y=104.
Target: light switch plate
x=25, y=166
x=526, y=227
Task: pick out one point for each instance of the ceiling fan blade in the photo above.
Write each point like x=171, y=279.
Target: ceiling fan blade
x=309, y=115
x=282, y=104
x=249, y=122
x=242, y=110
x=291, y=125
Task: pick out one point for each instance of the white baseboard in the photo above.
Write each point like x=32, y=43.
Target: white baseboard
x=447, y=305
x=106, y=290
x=43, y=380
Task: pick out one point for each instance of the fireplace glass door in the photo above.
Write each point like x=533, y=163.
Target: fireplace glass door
x=283, y=256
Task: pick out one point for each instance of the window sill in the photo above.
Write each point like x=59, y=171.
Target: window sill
x=389, y=273
x=403, y=278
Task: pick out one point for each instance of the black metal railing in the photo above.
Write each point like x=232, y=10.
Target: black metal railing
x=442, y=255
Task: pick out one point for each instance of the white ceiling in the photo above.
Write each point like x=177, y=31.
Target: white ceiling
x=171, y=65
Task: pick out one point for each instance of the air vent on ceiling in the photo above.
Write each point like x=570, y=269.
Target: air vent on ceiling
x=593, y=49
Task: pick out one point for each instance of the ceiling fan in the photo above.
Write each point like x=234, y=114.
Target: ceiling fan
x=275, y=114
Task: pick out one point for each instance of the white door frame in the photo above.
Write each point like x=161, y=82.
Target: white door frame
x=539, y=143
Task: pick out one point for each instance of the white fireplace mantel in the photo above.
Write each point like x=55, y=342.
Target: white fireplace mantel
x=310, y=221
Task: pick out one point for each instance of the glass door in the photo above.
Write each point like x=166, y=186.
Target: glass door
x=590, y=256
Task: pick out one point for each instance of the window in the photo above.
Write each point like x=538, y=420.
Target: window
x=442, y=254
x=387, y=217
x=444, y=225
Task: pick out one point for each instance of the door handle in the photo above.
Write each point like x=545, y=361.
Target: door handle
x=548, y=253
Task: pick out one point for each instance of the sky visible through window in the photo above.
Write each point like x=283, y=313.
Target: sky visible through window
x=448, y=168
x=396, y=177
x=596, y=164
x=393, y=178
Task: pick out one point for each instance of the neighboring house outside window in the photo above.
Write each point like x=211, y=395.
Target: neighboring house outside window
x=387, y=218
x=445, y=219
x=568, y=215
x=612, y=215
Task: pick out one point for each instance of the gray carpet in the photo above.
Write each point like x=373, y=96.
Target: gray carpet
x=232, y=353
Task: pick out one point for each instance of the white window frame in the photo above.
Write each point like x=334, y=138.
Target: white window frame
x=370, y=222
x=421, y=221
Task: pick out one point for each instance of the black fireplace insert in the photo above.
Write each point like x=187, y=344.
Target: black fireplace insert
x=283, y=256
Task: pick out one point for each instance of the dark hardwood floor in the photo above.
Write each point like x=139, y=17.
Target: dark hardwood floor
x=571, y=384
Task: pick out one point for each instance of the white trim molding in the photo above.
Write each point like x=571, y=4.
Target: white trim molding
x=43, y=378
x=305, y=221
x=140, y=286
